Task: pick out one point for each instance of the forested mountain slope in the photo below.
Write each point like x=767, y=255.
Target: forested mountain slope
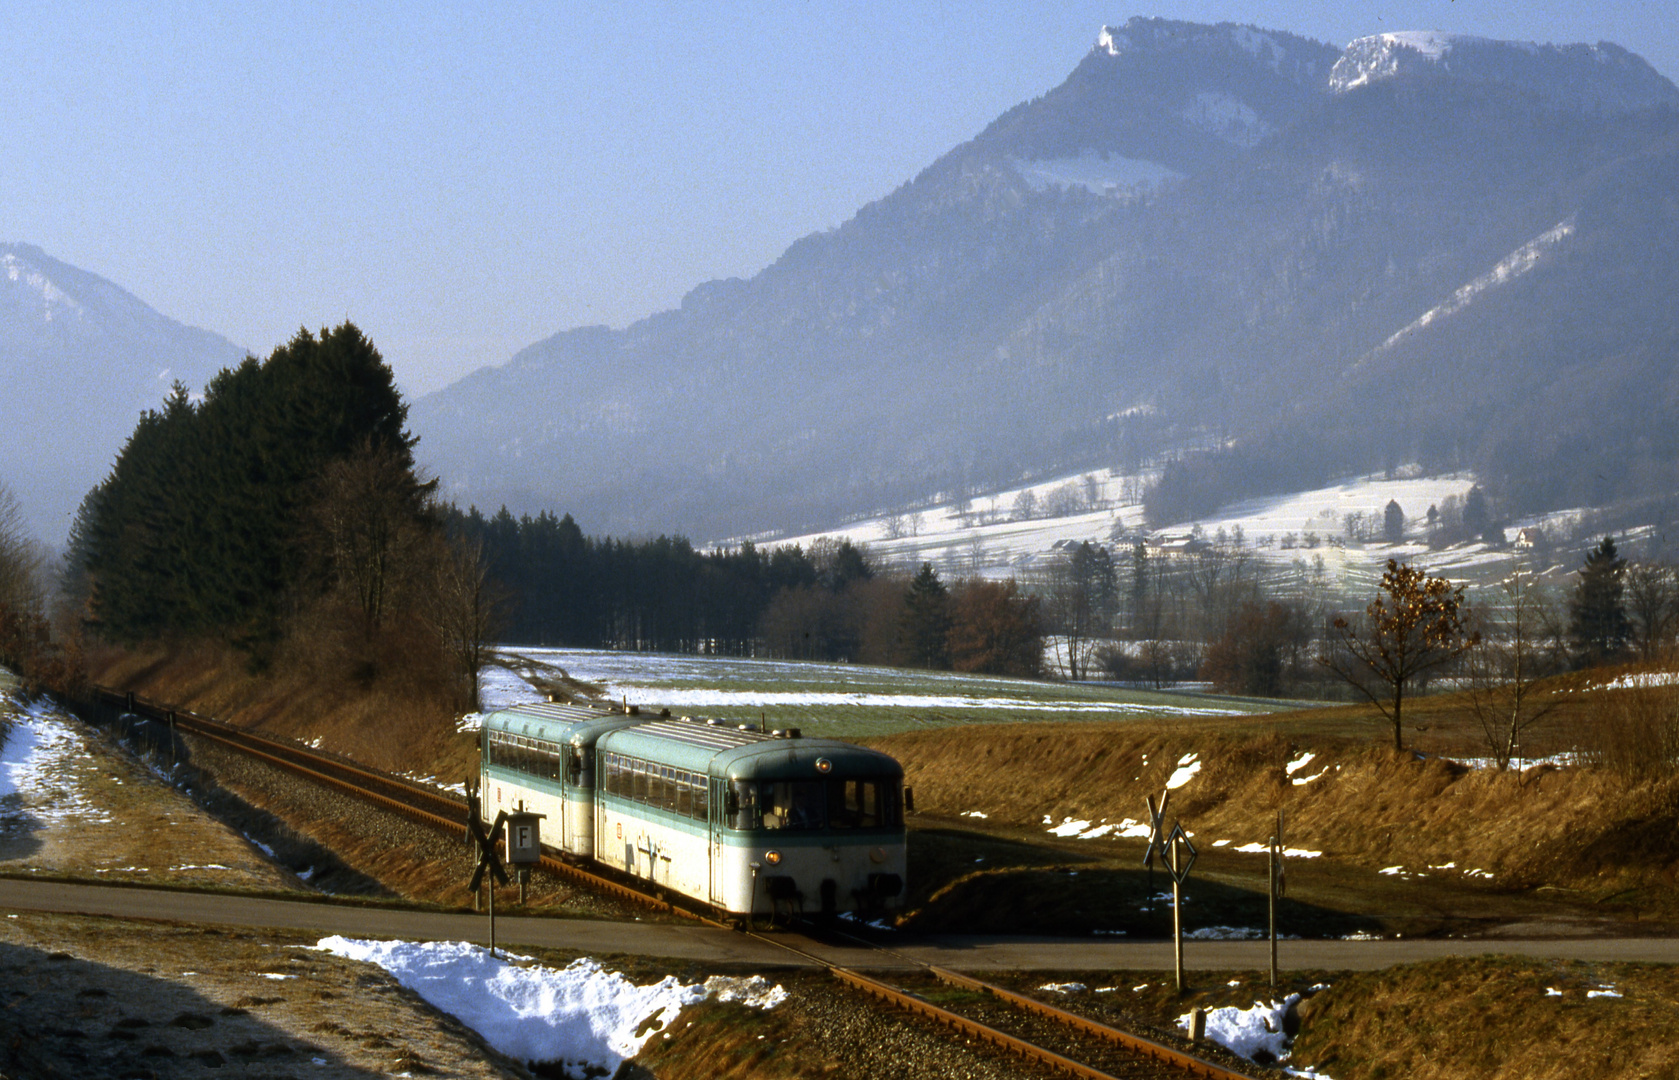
x=1426, y=248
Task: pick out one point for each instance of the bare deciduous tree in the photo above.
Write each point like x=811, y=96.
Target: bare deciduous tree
x=1652, y=599
x=369, y=527
x=1415, y=624
x=1519, y=647
x=1081, y=598
x=463, y=607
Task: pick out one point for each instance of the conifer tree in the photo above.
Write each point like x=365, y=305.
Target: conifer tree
x=1597, y=618
x=1393, y=522
x=924, y=629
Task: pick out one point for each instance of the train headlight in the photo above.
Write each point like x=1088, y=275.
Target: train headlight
x=772, y=857
x=823, y=764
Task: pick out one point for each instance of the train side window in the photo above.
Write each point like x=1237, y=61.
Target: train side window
x=702, y=797
x=685, y=795
x=745, y=809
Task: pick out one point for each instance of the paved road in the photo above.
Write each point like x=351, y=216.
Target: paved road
x=691, y=942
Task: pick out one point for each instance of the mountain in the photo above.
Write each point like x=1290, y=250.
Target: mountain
x=1292, y=258
x=81, y=359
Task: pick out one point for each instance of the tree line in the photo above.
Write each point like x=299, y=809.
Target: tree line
x=829, y=601
x=281, y=513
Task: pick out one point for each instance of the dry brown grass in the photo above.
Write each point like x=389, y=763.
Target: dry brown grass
x=1582, y=828
x=1494, y=1019
x=390, y=722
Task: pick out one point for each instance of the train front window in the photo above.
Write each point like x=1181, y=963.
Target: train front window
x=862, y=804
x=794, y=804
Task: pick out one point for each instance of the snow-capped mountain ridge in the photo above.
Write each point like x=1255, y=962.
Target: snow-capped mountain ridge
x=81, y=357
x=1279, y=52
x=30, y=280
x=1601, y=77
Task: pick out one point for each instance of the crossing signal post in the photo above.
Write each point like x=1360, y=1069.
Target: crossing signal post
x=1156, y=840
x=1180, y=859
x=488, y=862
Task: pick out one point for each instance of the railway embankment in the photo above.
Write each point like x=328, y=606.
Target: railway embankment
x=1608, y=843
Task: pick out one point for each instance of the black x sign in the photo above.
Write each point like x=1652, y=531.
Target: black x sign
x=487, y=857
x=1156, y=829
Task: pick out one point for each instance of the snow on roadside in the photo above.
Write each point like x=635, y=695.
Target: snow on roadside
x=581, y=1015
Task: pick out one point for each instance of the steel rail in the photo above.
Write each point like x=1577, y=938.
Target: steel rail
x=1136, y=1043
x=313, y=764
x=972, y=1028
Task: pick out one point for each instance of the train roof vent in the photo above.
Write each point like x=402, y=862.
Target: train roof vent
x=791, y=733
x=747, y=727
x=711, y=721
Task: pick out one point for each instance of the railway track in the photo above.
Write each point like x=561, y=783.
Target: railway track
x=980, y=1011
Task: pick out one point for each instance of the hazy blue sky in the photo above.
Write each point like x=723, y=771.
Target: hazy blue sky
x=464, y=180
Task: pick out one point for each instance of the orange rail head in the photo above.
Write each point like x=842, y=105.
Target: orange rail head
x=971, y=1028
x=1122, y=1038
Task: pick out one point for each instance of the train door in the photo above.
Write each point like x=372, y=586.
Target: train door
x=716, y=851
x=570, y=803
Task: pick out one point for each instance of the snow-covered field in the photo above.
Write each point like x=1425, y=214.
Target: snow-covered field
x=848, y=699
x=582, y=1016
x=989, y=537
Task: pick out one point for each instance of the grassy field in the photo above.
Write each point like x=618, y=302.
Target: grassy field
x=854, y=701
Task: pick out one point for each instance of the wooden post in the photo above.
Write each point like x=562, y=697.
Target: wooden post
x=492, y=885
x=1177, y=919
x=1197, y=1024
x=1274, y=887
x=1271, y=893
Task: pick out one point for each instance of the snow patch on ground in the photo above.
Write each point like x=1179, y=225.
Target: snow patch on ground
x=1098, y=173
x=1224, y=933
x=1069, y=827
x=1188, y=766
x=582, y=1015
x=1248, y=1032
x=36, y=767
